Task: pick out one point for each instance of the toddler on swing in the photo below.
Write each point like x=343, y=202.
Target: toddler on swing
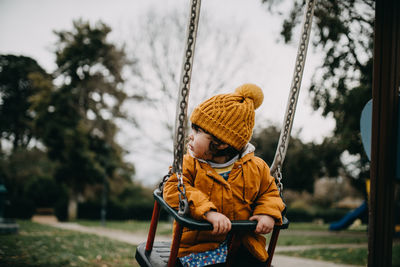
x=224, y=181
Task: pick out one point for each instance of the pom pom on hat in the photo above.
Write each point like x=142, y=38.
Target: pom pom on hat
x=251, y=91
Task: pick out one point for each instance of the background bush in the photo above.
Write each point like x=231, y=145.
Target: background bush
x=118, y=211
x=307, y=215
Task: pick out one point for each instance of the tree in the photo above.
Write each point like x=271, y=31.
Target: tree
x=304, y=162
x=22, y=82
x=221, y=61
x=342, y=85
x=19, y=76
x=77, y=120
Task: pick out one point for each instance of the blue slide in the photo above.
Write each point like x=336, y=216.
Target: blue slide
x=350, y=217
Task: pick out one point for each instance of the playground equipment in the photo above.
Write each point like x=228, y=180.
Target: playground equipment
x=365, y=129
x=350, y=217
x=362, y=210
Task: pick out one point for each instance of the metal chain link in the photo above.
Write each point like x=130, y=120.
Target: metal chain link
x=183, y=201
x=293, y=95
x=164, y=180
x=279, y=179
x=183, y=96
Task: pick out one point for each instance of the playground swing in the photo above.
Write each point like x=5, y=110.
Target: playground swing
x=160, y=254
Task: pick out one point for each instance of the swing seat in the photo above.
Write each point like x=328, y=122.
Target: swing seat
x=157, y=257
x=159, y=254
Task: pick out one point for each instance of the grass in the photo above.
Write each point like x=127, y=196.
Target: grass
x=308, y=226
x=41, y=245
x=323, y=227
x=354, y=256
x=286, y=239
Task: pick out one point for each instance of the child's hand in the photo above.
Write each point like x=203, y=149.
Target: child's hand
x=221, y=223
x=265, y=223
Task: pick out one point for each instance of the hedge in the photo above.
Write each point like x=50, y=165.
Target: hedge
x=117, y=211
x=327, y=215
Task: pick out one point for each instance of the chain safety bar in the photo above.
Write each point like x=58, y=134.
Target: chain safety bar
x=293, y=95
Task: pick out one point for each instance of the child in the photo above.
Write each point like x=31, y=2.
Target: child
x=224, y=181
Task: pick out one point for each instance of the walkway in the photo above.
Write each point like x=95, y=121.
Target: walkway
x=278, y=260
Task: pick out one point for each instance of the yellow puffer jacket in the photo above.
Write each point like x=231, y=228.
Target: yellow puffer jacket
x=249, y=190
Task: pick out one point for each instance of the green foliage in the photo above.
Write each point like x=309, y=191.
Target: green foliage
x=116, y=210
x=133, y=226
x=309, y=215
x=75, y=119
x=341, y=86
x=92, y=69
x=304, y=162
x=79, y=129
x=20, y=172
x=43, y=191
x=28, y=177
x=19, y=76
x=133, y=202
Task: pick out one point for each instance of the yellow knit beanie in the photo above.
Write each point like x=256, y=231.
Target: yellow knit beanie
x=230, y=117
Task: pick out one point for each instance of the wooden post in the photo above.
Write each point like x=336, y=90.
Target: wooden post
x=385, y=92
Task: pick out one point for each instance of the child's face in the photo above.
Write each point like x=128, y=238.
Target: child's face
x=199, y=144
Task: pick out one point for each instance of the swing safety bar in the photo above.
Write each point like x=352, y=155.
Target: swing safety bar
x=165, y=253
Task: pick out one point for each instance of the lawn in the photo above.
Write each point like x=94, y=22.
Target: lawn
x=289, y=239
x=313, y=234
x=356, y=256
x=295, y=235
x=41, y=245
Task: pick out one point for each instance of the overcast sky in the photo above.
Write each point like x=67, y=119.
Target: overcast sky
x=26, y=28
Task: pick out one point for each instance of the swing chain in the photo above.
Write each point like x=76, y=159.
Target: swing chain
x=183, y=201
x=294, y=93
x=183, y=96
x=278, y=176
x=164, y=180
x=185, y=86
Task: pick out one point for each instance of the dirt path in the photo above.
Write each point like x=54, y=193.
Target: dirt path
x=123, y=236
